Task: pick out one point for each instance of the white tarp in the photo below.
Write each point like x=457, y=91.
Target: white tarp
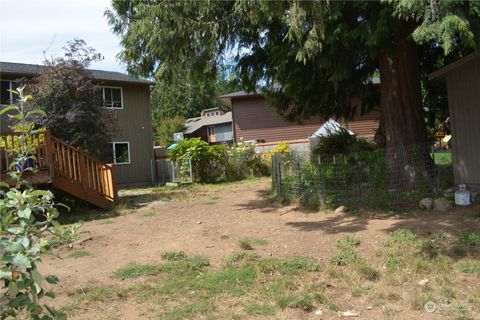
x=328, y=128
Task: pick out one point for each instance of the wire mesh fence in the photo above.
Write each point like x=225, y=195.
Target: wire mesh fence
x=167, y=170
x=395, y=177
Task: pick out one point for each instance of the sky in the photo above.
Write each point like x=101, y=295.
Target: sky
x=29, y=27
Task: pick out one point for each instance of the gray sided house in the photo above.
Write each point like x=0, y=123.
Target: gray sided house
x=129, y=100
x=213, y=126
x=462, y=78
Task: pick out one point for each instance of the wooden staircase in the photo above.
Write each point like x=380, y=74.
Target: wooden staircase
x=66, y=168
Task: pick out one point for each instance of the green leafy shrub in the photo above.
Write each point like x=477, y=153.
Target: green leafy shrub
x=342, y=142
x=26, y=214
x=310, y=197
x=282, y=148
x=243, y=162
x=211, y=163
x=206, y=160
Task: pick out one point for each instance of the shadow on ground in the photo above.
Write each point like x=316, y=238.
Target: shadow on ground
x=334, y=223
x=264, y=202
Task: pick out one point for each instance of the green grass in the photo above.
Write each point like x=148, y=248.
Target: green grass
x=394, y=262
x=249, y=244
x=173, y=255
x=402, y=236
x=135, y=270
x=84, y=297
x=348, y=242
x=79, y=254
x=189, y=288
x=443, y=158
x=344, y=258
x=164, y=188
x=367, y=271
x=471, y=239
x=260, y=309
x=469, y=267
x=247, y=285
x=108, y=222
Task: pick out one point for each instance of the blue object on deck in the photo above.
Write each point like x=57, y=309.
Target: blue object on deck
x=172, y=146
x=30, y=163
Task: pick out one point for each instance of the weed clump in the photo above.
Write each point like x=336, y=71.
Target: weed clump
x=173, y=255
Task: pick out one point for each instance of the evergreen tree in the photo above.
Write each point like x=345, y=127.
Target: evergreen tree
x=309, y=57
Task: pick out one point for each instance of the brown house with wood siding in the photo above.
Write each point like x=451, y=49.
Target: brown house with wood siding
x=253, y=119
x=129, y=100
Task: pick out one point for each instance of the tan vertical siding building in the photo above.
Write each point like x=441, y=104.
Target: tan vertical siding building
x=135, y=127
x=463, y=86
x=129, y=100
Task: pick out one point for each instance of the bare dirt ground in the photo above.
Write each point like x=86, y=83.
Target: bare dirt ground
x=210, y=223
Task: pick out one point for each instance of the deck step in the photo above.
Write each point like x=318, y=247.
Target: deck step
x=66, y=168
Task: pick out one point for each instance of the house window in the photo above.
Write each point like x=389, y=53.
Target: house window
x=210, y=131
x=121, y=152
x=112, y=97
x=7, y=97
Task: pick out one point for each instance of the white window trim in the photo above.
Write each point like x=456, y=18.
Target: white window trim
x=121, y=97
x=210, y=129
x=115, y=158
x=11, y=94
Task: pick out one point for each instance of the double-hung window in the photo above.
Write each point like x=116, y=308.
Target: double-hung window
x=6, y=96
x=112, y=97
x=121, y=152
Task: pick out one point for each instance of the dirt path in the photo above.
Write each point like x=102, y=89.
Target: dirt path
x=212, y=225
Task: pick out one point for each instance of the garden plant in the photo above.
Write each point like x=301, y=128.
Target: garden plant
x=26, y=214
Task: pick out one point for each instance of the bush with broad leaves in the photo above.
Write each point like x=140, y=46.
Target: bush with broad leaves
x=25, y=215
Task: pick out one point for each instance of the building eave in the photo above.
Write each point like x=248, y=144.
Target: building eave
x=442, y=72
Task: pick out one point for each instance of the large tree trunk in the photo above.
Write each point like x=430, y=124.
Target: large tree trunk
x=403, y=124
x=401, y=99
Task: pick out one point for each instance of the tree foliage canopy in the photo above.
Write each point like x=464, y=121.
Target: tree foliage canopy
x=72, y=101
x=165, y=128
x=308, y=57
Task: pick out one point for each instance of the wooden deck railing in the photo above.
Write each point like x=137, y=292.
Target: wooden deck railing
x=8, y=142
x=77, y=166
x=71, y=169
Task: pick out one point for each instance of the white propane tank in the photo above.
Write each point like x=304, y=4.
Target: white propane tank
x=463, y=197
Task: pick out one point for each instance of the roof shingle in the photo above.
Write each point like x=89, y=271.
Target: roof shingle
x=24, y=69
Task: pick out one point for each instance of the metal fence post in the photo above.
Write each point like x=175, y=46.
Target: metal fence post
x=191, y=173
x=299, y=178
x=278, y=174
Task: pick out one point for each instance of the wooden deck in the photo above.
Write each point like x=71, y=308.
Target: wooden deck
x=66, y=168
